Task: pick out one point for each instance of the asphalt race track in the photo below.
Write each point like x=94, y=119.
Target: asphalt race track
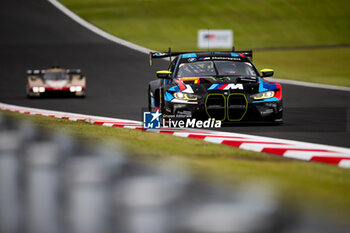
x=35, y=35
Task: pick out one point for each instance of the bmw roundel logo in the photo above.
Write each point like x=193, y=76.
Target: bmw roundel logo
x=192, y=59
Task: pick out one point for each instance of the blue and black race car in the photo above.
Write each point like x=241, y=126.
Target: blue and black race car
x=223, y=86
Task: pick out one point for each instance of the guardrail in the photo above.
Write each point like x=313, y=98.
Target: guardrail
x=52, y=183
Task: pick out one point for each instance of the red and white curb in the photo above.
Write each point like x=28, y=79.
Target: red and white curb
x=286, y=148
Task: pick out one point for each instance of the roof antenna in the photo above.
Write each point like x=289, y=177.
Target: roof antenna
x=169, y=51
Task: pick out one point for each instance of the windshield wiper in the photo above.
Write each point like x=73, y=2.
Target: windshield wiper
x=216, y=70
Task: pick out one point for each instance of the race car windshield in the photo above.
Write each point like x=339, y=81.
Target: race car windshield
x=215, y=68
x=55, y=76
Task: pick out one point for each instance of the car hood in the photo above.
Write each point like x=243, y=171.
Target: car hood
x=229, y=84
x=202, y=85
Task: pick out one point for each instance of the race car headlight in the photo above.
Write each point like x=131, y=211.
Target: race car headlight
x=78, y=88
x=185, y=96
x=263, y=95
x=179, y=95
x=41, y=89
x=38, y=89
x=75, y=88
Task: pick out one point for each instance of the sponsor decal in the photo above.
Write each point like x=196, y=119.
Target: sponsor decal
x=232, y=86
x=151, y=120
x=189, y=55
x=227, y=58
x=160, y=54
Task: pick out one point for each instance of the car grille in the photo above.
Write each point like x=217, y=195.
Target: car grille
x=232, y=108
x=236, y=107
x=215, y=106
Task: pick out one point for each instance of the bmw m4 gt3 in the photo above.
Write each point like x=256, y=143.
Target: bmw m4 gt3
x=224, y=86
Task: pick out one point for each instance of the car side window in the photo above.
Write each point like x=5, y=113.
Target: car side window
x=172, y=65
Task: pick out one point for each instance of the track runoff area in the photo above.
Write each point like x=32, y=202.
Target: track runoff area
x=286, y=148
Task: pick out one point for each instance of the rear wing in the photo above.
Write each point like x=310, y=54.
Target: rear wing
x=152, y=55
x=35, y=72
x=41, y=72
x=73, y=71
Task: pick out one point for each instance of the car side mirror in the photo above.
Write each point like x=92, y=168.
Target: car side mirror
x=267, y=72
x=164, y=74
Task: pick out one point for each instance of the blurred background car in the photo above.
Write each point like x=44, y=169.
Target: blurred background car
x=56, y=81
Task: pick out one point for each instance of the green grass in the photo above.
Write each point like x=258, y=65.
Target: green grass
x=159, y=24
x=327, y=66
x=321, y=187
